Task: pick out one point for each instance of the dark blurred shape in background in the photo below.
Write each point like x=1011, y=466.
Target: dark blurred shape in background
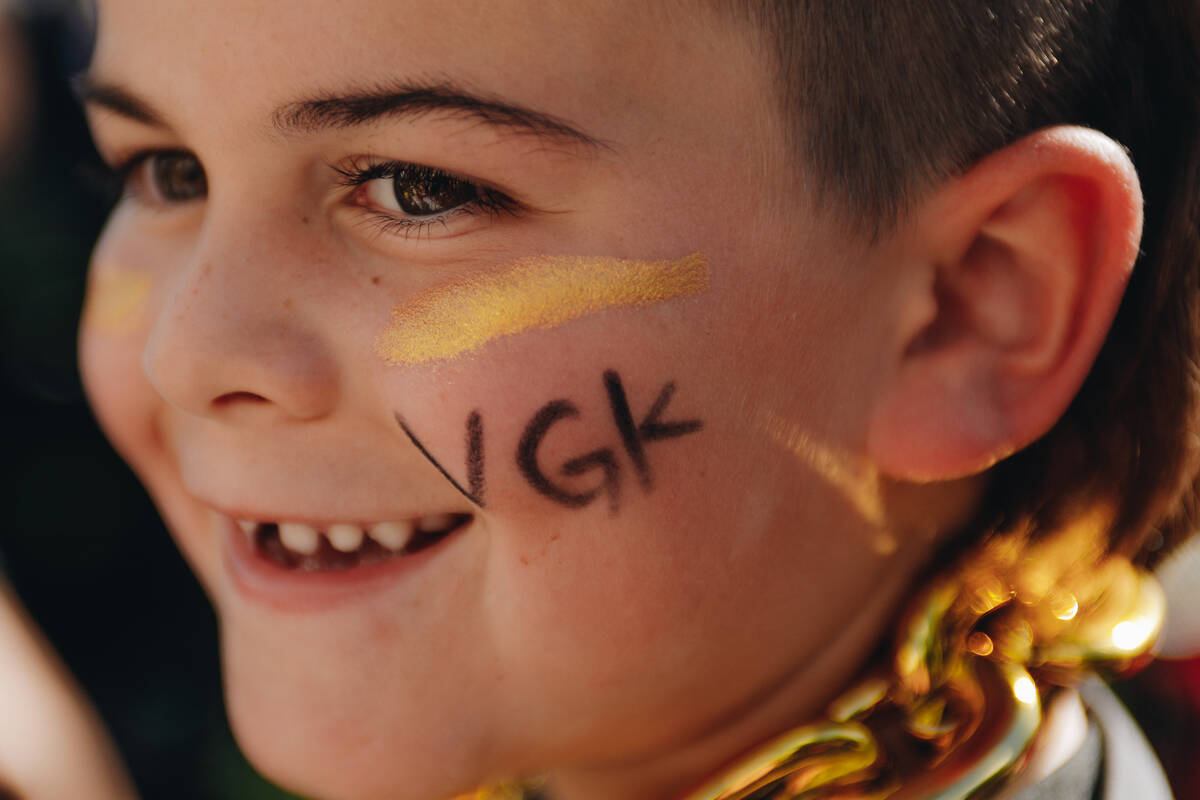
x=82, y=545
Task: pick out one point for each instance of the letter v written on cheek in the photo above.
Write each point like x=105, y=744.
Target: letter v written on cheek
x=474, y=441
x=651, y=428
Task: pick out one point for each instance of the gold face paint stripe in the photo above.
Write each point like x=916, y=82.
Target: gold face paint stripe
x=856, y=480
x=536, y=292
x=116, y=301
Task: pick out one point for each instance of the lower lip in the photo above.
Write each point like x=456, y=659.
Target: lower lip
x=294, y=591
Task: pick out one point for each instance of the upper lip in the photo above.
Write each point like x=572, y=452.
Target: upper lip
x=257, y=477
x=323, y=522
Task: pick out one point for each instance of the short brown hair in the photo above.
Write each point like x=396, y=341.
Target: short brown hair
x=886, y=98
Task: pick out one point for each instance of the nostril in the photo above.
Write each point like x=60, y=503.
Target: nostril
x=231, y=398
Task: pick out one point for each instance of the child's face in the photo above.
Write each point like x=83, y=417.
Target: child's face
x=675, y=577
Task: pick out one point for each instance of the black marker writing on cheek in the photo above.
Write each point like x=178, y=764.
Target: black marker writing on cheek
x=633, y=437
x=527, y=462
x=629, y=433
x=474, y=457
x=602, y=461
x=650, y=429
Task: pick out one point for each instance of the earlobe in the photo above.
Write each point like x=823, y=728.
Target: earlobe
x=1027, y=256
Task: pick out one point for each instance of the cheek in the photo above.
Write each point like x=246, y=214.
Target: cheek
x=621, y=518
x=656, y=568
x=621, y=626
x=128, y=283
x=122, y=299
x=123, y=290
x=112, y=338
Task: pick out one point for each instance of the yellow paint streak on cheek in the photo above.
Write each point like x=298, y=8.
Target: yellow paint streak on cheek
x=531, y=293
x=116, y=301
x=854, y=479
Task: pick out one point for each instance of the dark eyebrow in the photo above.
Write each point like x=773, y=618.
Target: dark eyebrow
x=363, y=107
x=409, y=100
x=116, y=99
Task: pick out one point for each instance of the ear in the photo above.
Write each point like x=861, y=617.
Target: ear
x=1024, y=261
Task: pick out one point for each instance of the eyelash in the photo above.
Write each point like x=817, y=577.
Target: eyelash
x=359, y=172
x=356, y=174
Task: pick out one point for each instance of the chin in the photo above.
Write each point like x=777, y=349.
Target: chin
x=298, y=742
x=316, y=716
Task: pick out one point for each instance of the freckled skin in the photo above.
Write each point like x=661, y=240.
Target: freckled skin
x=627, y=654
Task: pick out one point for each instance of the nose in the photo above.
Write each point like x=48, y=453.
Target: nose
x=234, y=336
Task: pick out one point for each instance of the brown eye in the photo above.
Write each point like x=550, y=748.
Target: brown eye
x=421, y=191
x=415, y=200
x=177, y=176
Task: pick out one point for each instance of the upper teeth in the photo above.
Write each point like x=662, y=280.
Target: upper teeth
x=434, y=522
x=346, y=537
x=299, y=537
x=392, y=535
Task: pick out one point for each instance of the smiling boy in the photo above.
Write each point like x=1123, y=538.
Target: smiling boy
x=737, y=354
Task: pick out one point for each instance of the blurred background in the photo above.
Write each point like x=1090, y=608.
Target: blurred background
x=83, y=547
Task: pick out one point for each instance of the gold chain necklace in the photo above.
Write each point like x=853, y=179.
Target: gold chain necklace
x=960, y=701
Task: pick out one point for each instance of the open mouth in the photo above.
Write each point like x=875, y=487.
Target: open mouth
x=341, y=546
